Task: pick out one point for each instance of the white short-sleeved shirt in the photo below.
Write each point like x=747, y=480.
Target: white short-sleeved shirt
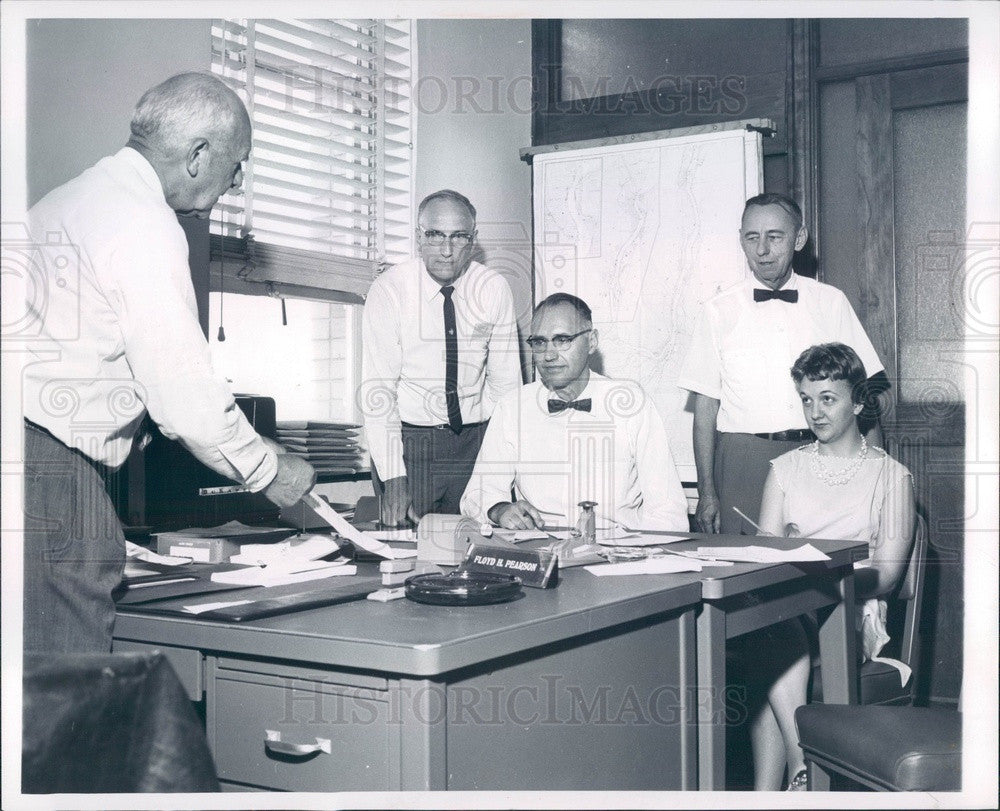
x=742, y=351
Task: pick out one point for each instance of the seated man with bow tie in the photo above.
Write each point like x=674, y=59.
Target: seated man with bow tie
x=573, y=436
x=746, y=412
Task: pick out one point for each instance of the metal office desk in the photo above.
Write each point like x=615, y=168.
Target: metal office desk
x=586, y=686
x=775, y=592
x=592, y=685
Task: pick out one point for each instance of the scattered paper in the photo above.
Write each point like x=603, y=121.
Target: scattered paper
x=364, y=540
x=160, y=582
x=613, y=536
x=280, y=575
x=302, y=550
x=404, y=534
x=661, y=565
x=763, y=554
x=622, y=538
x=705, y=560
x=198, y=609
x=135, y=552
x=530, y=535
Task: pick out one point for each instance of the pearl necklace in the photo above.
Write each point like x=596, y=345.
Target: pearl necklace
x=837, y=477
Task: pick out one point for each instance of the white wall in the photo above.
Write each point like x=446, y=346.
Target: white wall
x=473, y=115
x=83, y=80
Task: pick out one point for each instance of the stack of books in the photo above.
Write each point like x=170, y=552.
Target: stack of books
x=332, y=448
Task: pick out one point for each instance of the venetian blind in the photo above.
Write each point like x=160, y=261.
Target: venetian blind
x=327, y=191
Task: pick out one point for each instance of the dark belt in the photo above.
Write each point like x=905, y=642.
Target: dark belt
x=443, y=425
x=798, y=435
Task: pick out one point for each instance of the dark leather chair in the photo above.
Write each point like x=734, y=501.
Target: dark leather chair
x=884, y=748
x=110, y=723
x=878, y=683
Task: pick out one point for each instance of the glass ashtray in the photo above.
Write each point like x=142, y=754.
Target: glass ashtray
x=623, y=554
x=462, y=588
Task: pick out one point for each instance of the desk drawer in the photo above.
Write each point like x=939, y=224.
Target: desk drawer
x=300, y=735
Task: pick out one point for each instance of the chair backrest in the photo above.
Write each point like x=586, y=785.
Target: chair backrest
x=911, y=589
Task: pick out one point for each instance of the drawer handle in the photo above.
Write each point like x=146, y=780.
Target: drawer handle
x=273, y=743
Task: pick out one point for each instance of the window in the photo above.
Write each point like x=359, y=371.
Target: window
x=327, y=200
x=327, y=192
x=305, y=355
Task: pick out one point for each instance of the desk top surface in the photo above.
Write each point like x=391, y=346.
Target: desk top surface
x=402, y=636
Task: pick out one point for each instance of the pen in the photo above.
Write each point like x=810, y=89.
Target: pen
x=752, y=523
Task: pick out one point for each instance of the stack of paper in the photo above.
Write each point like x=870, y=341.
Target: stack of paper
x=332, y=448
x=300, y=549
x=280, y=574
x=763, y=554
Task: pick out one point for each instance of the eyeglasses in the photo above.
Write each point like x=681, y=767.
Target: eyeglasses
x=540, y=344
x=461, y=238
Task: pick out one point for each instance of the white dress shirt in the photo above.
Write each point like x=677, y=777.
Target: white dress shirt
x=118, y=327
x=403, y=354
x=742, y=351
x=616, y=454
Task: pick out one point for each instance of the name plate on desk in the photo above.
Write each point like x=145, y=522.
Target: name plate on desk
x=535, y=568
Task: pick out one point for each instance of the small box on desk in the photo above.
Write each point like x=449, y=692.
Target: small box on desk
x=200, y=550
x=216, y=544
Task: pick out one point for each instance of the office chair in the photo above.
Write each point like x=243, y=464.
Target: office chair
x=110, y=723
x=884, y=748
x=878, y=683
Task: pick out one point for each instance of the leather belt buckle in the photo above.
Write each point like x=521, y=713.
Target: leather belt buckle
x=795, y=435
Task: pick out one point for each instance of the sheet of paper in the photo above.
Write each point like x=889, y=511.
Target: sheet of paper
x=279, y=575
x=530, y=535
x=160, y=582
x=763, y=554
x=365, y=540
x=621, y=538
x=704, y=560
x=135, y=552
x=663, y=565
x=309, y=547
x=404, y=534
x=198, y=609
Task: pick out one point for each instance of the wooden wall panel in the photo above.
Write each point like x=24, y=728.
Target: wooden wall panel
x=875, y=200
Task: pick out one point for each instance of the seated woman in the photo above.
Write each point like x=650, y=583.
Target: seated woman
x=836, y=487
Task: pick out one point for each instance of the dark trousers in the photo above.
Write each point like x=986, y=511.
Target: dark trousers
x=741, y=468
x=439, y=465
x=74, y=550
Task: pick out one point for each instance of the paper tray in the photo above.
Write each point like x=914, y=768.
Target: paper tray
x=268, y=602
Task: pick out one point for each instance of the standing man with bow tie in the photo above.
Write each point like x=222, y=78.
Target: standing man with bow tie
x=746, y=412
x=573, y=436
x=439, y=348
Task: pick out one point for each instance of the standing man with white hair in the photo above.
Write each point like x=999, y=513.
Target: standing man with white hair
x=135, y=345
x=440, y=349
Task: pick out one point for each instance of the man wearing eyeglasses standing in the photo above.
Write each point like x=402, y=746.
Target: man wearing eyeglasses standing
x=573, y=436
x=746, y=413
x=439, y=348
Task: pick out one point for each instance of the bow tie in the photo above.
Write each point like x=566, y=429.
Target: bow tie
x=555, y=406
x=791, y=296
